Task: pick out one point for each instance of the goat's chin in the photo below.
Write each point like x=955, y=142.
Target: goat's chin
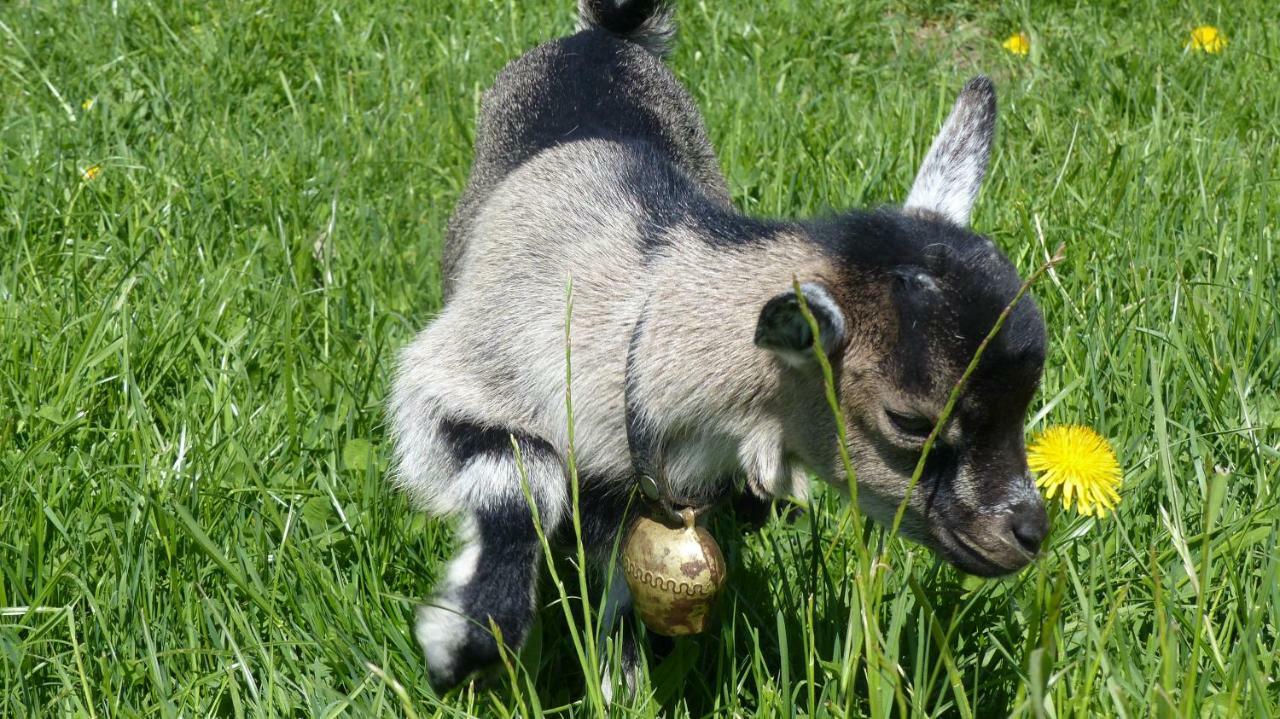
x=965, y=554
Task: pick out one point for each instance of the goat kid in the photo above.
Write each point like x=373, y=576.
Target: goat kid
x=592, y=163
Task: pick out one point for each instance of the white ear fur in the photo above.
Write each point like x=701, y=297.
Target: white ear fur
x=951, y=174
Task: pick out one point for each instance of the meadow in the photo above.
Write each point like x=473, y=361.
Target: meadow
x=219, y=221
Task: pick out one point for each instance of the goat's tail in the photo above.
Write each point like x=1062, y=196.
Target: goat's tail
x=648, y=23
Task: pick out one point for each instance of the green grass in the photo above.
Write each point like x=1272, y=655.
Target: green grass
x=195, y=349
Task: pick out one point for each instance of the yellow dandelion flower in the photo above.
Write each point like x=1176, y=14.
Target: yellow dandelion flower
x=87, y=105
x=91, y=172
x=1207, y=38
x=1018, y=43
x=1079, y=464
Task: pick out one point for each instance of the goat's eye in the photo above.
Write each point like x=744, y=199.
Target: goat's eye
x=913, y=425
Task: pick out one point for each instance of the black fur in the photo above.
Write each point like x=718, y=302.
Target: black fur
x=622, y=17
x=606, y=506
x=469, y=440
x=969, y=284
x=669, y=198
x=501, y=592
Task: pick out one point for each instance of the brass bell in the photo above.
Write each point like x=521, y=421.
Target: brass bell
x=674, y=572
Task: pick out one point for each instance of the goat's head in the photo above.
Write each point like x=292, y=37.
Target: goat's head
x=913, y=295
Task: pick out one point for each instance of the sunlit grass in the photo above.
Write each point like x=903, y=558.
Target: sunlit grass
x=195, y=344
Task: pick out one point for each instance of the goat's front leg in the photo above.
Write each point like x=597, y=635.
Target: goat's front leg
x=493, y=576
x=619, y=640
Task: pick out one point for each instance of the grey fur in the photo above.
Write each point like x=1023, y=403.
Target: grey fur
x=593, y=170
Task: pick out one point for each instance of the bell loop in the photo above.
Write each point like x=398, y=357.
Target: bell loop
x=688, y=517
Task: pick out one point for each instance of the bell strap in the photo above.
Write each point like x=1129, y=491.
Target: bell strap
x=646, y=446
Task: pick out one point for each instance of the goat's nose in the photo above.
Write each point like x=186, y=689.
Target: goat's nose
x=1029, y=524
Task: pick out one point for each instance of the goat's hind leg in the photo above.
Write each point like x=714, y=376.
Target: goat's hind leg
x=493, y=577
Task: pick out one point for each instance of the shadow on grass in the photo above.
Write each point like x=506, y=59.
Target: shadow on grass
x=782, y=609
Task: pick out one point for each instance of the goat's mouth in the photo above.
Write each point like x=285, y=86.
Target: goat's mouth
x=969, y=556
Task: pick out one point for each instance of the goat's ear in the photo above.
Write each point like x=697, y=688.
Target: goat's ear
x=952, y=172
x=783, y=329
